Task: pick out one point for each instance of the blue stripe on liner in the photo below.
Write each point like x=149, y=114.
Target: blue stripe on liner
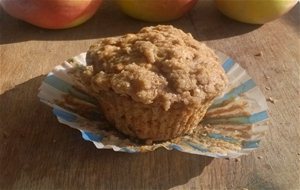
x=124, y=149
x=257, y=117
x=91, y=136
x=176, y=147
x=64, y=115
x=251, y=144
x=65, y=87
x=246, y=86
x=222, y=137
x=228, y=64
x=58, y=83
x=197, y=147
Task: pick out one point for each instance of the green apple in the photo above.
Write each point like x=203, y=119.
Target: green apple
x=254, y=11
x=156, y=10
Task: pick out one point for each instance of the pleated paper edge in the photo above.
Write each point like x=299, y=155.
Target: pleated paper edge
x=229, y=66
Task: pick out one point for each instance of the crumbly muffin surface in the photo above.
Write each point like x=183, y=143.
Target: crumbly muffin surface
x=158, y=65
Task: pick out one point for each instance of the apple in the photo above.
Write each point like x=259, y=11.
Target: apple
x=52, y=14
x=156, y=10
x=254, y=11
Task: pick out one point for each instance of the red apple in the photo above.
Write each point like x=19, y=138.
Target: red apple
x=156, y=10
x=52, y=14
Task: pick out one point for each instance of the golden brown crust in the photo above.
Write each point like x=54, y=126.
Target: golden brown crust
x=156, y=84
x=161, y=65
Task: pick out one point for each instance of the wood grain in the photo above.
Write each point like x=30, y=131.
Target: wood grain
x=36, y=152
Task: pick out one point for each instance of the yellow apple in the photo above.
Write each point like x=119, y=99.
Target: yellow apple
x=254, y=11
x=52, y=14
x=156, y=10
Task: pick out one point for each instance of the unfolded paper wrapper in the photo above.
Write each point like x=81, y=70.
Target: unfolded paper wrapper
x=233, y=125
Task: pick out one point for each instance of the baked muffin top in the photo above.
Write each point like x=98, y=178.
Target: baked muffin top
x=161, y=65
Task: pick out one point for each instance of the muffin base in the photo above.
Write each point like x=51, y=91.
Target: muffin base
x=147, y=121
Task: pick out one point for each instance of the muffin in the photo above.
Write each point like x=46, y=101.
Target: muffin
x=154, y=85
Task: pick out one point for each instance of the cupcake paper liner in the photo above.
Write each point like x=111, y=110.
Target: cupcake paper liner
x=233, y=125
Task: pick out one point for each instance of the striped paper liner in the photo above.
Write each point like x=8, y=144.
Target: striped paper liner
x=233, y=126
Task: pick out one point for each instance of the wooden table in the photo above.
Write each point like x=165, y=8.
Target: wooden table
x=36, y=152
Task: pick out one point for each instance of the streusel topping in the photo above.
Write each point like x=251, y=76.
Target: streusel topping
x=161, y=65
